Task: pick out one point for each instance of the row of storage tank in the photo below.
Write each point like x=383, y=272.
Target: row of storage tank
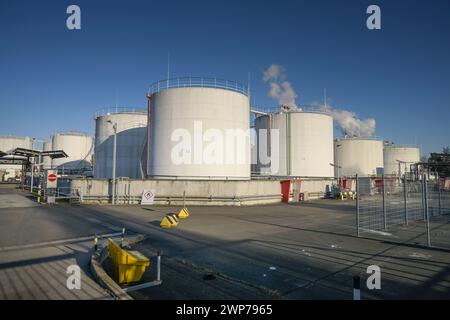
x=306, y=149
x=78, y=146
x=306, y=146
x=149, y=142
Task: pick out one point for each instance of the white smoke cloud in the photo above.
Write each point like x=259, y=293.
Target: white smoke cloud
x=349, y=123
x=280, y=89
x=274, y=73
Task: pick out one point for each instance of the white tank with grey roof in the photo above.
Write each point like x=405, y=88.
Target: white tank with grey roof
x=399, y=157
x=7, y=144
x=200, y=129
x=131, y=142
x=47, y=161
x=358, y=155
x=77, y=146
x=304, y=147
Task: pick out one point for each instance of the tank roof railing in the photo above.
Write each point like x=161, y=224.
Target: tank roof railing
x=198, y=82
x=10, y=136
x=395, y=145
x=304, y=108
x=116, y=110
x=363, y=137
x=71, y=133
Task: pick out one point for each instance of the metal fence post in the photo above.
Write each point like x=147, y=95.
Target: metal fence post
x=357, y=206
x=383, y=187
x=425, y=195
x=439, y=196
x=405, y=198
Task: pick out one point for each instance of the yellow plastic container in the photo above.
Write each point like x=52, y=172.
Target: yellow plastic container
x=128, y=266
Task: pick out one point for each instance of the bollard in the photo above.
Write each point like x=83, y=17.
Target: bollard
x=356, y=288
x=96, y=243
x=158, y=266
x=122, y=238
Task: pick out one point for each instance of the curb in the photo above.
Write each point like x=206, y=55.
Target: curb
x=102, y=278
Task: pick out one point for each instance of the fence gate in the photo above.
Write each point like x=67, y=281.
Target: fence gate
x=403, y=210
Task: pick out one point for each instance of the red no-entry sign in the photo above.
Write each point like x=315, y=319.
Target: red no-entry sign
x=52, y=179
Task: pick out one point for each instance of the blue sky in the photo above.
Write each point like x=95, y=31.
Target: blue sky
x=53, y=79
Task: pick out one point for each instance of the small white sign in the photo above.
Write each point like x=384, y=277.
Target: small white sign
x=52, y=179
x=148, y=196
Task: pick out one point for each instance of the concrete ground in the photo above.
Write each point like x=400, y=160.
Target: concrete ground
x=30, y=273
x=36, y=247
x=304, y=251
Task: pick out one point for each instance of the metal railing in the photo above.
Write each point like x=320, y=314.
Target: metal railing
x=198, y=82
x=113, y=110
x=71, y=133
x=303, y=108
x=361, y=137
x=389, y=145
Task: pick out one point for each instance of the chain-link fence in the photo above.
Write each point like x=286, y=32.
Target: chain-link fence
x=403, y=210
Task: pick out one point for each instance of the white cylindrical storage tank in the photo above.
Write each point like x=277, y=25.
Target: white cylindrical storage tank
x=131, y=143
x=304, y=147
x=8, y=143
x=200, y=129
x=362, y=156
x=406, y=155
x=77, y=146
x=47, y=161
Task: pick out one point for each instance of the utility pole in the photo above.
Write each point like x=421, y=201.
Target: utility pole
x=114, y=125
x=32, y=167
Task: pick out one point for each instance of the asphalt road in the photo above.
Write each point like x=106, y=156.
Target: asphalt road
x=305, y=251
x=37, y=245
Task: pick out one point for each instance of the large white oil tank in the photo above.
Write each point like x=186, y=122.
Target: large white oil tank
x=8, y=143
x=200, y=129
x=47, y=161
x=304, y=147
x=131, y=143
x=399, y=157
x=77, y=146
x=358, y=155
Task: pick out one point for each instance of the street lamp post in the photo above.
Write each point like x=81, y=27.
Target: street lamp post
x=32, y=167
x=337, y=168
x=114, y=125
x=337, y=164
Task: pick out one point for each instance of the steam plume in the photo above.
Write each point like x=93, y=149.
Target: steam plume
x=349, y=123
x=280, y=89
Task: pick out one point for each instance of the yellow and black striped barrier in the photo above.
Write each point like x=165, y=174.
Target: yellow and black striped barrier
x=169, y=221
x=184, y=213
